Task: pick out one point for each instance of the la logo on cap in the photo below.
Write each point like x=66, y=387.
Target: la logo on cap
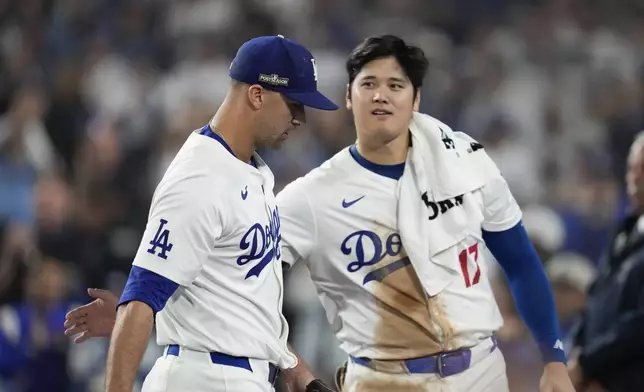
x=315, y=70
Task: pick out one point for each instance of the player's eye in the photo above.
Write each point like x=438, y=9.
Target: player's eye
x=368, y=84
x=297, y=111
x=397, y=86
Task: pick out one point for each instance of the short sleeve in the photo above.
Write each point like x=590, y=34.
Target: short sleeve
x=183, y=225
x=501, y=211
x=297, y=224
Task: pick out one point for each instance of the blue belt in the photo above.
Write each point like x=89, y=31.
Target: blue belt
x=444, y=364
x=229, y=360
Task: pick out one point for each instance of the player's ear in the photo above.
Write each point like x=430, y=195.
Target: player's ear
x=256, y=96
x=348, y=97
x=417, y=101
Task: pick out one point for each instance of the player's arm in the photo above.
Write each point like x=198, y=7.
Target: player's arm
x=299, y=235
x=144, y=295
x=129, y=339
x=298, y=225
x=508, y=241
x=181, y=228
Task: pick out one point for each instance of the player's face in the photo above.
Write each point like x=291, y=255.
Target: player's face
x=635, y=176
x=280, y=117
x=382, y=101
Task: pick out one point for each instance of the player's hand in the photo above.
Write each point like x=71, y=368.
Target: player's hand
x=96, y=319
x=555, y=379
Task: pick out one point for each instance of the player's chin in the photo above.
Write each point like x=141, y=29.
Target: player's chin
x=383, y=134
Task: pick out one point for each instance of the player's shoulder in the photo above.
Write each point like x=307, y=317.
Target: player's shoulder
x=197, y=168
x=323, y=179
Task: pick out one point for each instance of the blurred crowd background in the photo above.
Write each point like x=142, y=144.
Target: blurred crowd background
x=96, y=96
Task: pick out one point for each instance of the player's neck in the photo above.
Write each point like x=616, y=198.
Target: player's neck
x=228, y=124
x=392, y=153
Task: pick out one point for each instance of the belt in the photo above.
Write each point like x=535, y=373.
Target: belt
x=444, y=364
x=229, y=360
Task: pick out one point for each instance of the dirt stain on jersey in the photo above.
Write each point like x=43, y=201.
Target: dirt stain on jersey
x=398, y=383
x=412, y=324
x=389, y=386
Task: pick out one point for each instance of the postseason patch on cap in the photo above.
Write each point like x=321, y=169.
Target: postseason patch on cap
x=273, y=79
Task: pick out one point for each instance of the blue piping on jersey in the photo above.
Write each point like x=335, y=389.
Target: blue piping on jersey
x=391, y=171
x=207, y=131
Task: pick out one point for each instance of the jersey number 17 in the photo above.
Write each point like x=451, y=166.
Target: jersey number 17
x=463, y=258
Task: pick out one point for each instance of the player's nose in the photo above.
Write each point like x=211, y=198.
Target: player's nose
x=379, y=97
x=299, y=119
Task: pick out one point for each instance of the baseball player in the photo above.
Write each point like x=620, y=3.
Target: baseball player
x=341, y=221
x=208, y=268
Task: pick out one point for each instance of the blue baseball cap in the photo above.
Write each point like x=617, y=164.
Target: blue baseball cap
x=282, y=65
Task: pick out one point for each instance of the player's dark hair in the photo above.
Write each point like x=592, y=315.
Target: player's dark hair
x=411, y=58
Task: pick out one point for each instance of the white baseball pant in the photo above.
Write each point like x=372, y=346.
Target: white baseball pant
x=195, y=371
x=487, y=373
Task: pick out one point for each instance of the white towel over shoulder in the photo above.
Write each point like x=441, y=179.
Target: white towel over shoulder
x=445, y=166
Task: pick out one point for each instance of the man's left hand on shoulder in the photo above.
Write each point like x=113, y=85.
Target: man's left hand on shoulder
x=555, y=378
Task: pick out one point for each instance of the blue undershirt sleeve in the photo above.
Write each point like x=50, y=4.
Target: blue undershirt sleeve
x=148, y=287
x=530, y=287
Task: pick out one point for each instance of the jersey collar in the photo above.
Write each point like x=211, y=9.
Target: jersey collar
x=207, y=131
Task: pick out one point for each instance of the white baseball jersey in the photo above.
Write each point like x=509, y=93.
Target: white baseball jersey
x=213, y=228
x=341, y=220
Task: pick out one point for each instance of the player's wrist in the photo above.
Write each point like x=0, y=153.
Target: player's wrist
x=556, y=366
x=553, y=355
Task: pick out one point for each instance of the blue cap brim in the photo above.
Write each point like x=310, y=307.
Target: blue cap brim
x=315, y=100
